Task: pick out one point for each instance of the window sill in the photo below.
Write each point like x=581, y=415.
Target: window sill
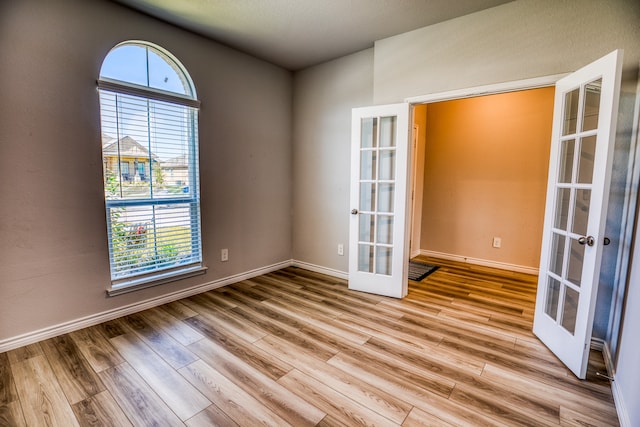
x=124, y=286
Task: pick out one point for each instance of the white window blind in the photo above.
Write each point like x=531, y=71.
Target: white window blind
x=151, y=183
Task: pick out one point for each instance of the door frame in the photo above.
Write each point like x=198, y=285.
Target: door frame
x=416, y=202
x=627, y=230
x=492, y=89
x=633, y=174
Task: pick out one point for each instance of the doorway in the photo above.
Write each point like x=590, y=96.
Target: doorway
x=583, y=130
x=581, y=154
x=482, y=166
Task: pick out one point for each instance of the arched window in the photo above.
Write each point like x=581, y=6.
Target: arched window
x=149, y=114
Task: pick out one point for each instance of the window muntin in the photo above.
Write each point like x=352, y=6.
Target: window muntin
x=150, y=163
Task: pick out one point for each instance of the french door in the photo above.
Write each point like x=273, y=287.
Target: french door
x=378, y=243
x=585, y=113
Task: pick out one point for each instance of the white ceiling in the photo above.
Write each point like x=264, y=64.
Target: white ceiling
x=299, y=33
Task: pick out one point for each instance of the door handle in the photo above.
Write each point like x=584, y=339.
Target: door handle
x=588, y=240
x=354, y=211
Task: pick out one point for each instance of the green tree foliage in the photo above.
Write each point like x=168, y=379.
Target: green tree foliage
x=138, y=246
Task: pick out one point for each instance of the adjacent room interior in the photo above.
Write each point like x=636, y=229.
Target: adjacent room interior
x=484, y=177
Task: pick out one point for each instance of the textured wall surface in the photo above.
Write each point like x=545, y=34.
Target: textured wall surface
x=54, y=264
x=323, y=99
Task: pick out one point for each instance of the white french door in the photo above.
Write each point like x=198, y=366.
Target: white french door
x=585, y=113
x=378, y=231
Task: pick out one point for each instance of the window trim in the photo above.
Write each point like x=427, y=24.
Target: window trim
x=124, y=88
x=130, y=284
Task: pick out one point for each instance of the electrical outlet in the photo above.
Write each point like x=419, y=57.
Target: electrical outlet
x=224, y=255
x=497, y=242
x=340, y=249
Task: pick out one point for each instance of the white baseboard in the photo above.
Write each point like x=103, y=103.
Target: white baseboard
x=618, y=398
x=608, y=361
x=598, y=345
x=319, y=269
x=621, y=409
x=95, y=319
x=482, y=262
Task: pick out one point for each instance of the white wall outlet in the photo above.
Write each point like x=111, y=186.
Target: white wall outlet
x=497, y=242
x=340, y=249
x=224, y=255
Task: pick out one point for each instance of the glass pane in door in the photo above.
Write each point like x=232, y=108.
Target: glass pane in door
x=562, y=208
x=585, y=161
x=581, y=206
x=388, y=131
x=570, y=121
x=367, y=196
x=557, y=254
x=385, y=198
x=387, y=165
x=570, y=309
x=591, y=111
x=385, y=229
x=566, y=161
x=369, y=132
x=553, y=293
x=365, y=258
x=576, y=261
x=368, y=163
x=366, y=227
x=383, y=260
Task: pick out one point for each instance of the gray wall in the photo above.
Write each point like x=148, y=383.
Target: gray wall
x=323, y=98
x=54, y=265
x=627, y=380
x=518, y=40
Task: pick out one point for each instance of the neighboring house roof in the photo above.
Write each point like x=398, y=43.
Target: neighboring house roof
x=125, y=147
x=176, y=162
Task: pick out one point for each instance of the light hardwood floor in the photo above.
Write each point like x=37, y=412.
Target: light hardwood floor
x=298, y=348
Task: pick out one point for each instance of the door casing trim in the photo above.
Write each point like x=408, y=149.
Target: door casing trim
x=491, y=89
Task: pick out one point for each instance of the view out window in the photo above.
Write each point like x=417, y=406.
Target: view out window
x=149, y=114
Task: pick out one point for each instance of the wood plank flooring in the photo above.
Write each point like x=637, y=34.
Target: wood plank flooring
x=298, y=348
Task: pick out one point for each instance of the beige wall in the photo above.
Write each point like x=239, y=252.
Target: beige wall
x=323, y=98
x=54, y=265
x=627, y=382
x=518, y=40
x=486, y=163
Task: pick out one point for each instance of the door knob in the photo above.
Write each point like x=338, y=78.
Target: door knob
x=588, y=240
x=354, y=211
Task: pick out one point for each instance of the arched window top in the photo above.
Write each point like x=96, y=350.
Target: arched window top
x=144, y=64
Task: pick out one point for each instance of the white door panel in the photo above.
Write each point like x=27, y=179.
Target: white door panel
x=378, y=241
x=585, y=113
